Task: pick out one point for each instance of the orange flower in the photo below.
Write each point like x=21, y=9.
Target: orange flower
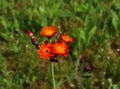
x=66, y=38
x=61, y=48
x=45, y=51
x=48, y=31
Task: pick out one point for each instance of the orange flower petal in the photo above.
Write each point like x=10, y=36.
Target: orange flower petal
x=45, y=51
x=66, y=38
x=48, y=31
x=61, y=48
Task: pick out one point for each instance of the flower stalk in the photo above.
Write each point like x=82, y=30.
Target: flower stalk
x=53, y=76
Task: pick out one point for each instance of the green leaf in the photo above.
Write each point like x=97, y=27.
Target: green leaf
x=115, y=20
x=90, y=35
x=83, y=35
x=115, y=86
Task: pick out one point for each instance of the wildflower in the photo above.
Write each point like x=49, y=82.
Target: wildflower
x=66, y=38
x=48, y=31
x=61, y=48
x=45, y=51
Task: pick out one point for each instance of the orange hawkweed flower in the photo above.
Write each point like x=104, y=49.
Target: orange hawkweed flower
x=48, y=31
x=61, y=48
x=66, y=38
x=45, y=51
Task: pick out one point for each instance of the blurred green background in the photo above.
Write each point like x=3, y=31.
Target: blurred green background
x=93, y=61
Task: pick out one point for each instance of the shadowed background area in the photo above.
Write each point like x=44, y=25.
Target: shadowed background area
x=94, y=57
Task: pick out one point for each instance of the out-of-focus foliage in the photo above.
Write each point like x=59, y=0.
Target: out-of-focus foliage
x=94, y=58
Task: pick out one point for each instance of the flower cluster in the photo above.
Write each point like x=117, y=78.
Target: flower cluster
x=51, y=50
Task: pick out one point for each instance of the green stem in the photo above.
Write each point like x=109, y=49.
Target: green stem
x=53, y=77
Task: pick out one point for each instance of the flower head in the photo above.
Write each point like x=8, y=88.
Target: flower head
x=61, y=48
x=66, y=38
x=45, y=51
x=48, y=31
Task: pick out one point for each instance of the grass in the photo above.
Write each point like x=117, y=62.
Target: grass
x=95, y=25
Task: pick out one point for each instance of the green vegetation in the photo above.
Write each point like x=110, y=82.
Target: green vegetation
x=94, y=58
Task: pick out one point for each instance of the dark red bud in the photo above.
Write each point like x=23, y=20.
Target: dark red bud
x=29, y=33
x=88, y=68
x=54, y=59
x=46, y=42
x=34, y=41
